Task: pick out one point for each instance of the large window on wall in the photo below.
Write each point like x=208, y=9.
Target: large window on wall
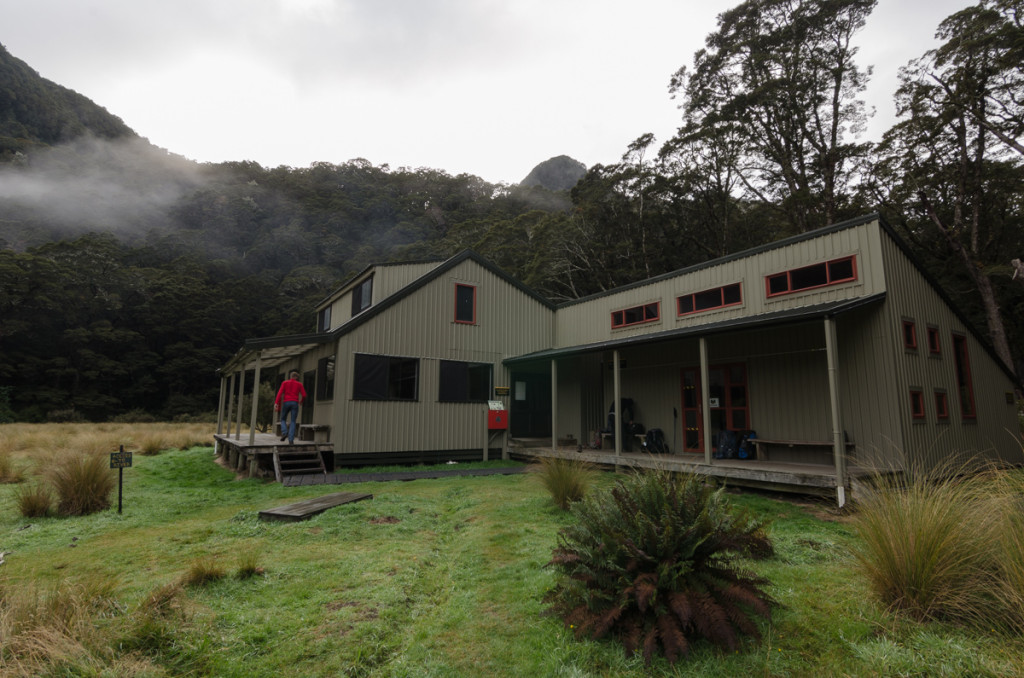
x=719, y=297
x=362, y=295
x=464, y=382
x=964, y=383
x=645, y=313
x=325, y=378
x=382, y=377
x=809, y=277
x=465, y=304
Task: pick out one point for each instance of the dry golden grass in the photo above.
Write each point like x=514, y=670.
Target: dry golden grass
x=40, y=445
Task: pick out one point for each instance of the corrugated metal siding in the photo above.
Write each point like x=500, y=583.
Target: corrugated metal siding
x=422, y=326
x=590, y=320
x=387, y=279
x=929, y=441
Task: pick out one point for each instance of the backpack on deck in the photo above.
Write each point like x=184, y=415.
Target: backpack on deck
x=655, y=441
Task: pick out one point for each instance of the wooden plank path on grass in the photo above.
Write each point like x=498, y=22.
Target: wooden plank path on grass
x=304, y=510
x=344, y=478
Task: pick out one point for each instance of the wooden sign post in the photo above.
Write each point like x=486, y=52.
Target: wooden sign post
x=120, y=460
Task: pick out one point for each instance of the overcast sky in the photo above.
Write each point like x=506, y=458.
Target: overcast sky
x=487, y=87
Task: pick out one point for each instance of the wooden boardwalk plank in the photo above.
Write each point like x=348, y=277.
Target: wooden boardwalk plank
x=344, y=478
x=303, y=510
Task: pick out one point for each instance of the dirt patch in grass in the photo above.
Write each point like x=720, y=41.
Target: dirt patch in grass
x=384, y=520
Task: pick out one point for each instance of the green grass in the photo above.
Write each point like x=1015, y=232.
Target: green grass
x=429, y=578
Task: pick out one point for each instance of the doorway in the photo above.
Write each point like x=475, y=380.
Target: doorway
x=530, y=407
x=728, y=400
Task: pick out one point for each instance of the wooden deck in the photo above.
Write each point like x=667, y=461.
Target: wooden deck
x=258, y=459
x=304, y=510
x=814, y=479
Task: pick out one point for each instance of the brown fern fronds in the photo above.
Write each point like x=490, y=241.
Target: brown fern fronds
x=748, y=595
x=713, y=623
x=679, y=603
x=644, y=589
x=672, y=637
x=650, y=644
x=630, y=634
x=606, y=621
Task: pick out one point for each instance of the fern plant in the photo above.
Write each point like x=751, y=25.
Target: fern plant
x=653, y=562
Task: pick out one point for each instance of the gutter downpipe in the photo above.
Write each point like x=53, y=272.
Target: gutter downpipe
x=838, y=444
x=705, y=400
x=617, y=404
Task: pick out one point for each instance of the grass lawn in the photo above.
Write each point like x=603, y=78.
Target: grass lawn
x=429, y=578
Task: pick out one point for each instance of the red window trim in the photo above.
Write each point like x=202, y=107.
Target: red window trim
x=941, y=406
x=962, y=360
x=917, y=404
x=721, y=295
x=789, y=277
x=643, y=315
x=464, y=322
x=909, y=341
x=934, y=341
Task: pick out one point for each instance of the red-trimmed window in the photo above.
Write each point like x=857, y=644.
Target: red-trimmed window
x=645, y=313
x=941, y=406
x=909, y=335
x=964, y=382
x=934, y=345
x=811, y=277
x=917, y=403
x=719, y=297
x=465, y=304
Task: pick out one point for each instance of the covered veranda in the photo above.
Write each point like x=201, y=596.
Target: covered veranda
x=816, y=324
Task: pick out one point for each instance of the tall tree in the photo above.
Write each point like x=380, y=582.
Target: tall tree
x=952, y=163
x=780, y=76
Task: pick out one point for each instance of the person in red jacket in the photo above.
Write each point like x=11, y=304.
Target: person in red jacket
x=291, y=394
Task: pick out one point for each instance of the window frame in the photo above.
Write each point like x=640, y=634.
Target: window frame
x=909, y=328
x=362, y=296
x=934, y=341
x=642, y=309
x=829, y=280
x=917, y=407
x=449, y=392
x=326, y=369
x=964, y=378
x=323, y=319
x=463, y=321
x=721, y=295
x=386, y=374
x=941, y=405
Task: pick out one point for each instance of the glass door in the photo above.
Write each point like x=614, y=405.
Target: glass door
x=728, y=404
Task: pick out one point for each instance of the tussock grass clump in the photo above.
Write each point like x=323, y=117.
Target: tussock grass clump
x=34, y=501
x=946, y=545
x=203, y=571
x=653, y=561
x=248, y=565
x=567, y=480
x=9, y=472
x=42, y=629
x=151, y=443
x=83, y=483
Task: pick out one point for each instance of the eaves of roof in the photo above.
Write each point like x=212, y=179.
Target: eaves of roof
x=789, y=316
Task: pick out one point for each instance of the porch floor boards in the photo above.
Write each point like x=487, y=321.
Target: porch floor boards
x=818, y=479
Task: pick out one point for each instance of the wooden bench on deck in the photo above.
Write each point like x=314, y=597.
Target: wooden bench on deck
x=314, y=432
x=810, y=446
x=608, y=440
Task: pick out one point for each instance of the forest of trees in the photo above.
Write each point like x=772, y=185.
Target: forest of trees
x=129, y=275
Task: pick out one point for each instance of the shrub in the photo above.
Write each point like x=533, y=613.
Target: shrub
x=83, y=483
x=34, y=501
x=566, y=479
x=927, y=543
x=136, y=416
x=203, y=571
x=653, y=562
x=65, y=416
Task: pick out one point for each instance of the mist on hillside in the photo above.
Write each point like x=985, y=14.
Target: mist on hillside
x=123, y=186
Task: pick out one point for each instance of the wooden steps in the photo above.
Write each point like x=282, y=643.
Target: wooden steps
x=297, y=461
x=304, y=510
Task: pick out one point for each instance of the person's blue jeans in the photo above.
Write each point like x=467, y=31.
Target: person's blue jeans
x=292, y=407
